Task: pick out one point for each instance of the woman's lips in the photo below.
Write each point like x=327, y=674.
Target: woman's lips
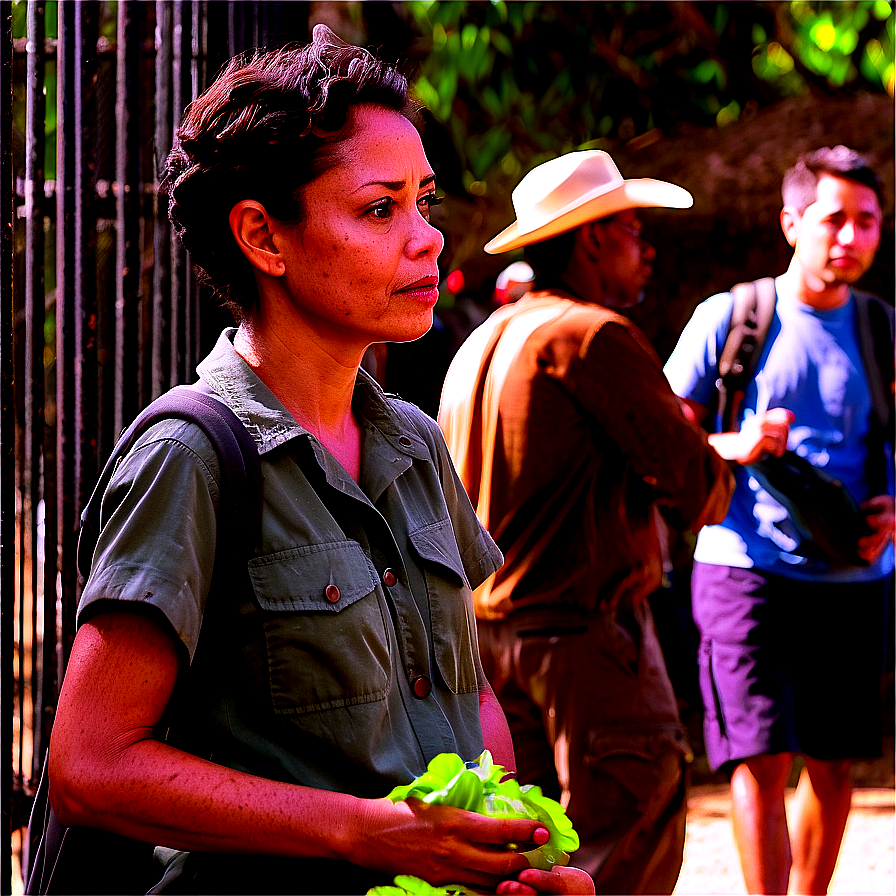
x=426, y=289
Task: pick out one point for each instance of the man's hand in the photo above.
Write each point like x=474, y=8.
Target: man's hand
x=760, y=434
x=880, y=514
x=558, y=880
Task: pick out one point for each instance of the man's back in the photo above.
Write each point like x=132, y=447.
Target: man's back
x=559, y=420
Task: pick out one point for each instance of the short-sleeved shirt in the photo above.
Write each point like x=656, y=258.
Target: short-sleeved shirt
x=341, y=653
x=567, y=436
x=810, y=364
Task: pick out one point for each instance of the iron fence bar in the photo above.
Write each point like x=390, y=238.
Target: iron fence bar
x=197, y=84
x=161, y=292
x=82, y=403
x=128, y=201
x=7, y=424
x=35, y=319
x=66, y=322
x=66, y=327
x=181, y=94
x=66, y=175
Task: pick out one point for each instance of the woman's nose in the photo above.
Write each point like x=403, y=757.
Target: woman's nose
x=426, y=240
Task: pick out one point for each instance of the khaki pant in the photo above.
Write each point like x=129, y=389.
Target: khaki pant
x=595, y=723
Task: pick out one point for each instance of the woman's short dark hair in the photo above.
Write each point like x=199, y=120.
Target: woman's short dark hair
x=800, y=186
x=265, y=128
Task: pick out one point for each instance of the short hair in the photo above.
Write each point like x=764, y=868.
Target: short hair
x=266, y=127
x=800, y=185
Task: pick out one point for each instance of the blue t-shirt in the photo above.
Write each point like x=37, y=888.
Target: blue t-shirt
x=810, y=364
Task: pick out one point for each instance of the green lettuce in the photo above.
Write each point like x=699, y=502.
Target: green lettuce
x=408, y=884
x=479, y=787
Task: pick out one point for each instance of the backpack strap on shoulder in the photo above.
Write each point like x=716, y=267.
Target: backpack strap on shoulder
x=876, y=344
x=241, y=485
x=751, y=317
x=60, y=859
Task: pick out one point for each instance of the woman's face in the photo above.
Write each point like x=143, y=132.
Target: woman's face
x=361, y=264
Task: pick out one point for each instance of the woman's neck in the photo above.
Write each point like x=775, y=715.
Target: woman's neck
x=313, y=385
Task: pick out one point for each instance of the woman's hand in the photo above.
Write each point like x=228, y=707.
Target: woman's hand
x=442, y=844
x=559, y=880
x=761, y=434
x=108, y=771
x=880, y=514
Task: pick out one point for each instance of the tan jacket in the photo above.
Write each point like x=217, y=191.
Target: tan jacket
x=567, y=438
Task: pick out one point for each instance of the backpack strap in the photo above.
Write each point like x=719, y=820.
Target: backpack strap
x=751, y=317
x=874, y=319
x=875, y=324
x=60, y=859
x=241, y=479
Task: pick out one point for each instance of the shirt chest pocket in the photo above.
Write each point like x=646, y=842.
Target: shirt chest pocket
x=324, y=627
x=450, y=605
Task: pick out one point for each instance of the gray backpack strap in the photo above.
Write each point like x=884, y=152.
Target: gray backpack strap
x=751, y=318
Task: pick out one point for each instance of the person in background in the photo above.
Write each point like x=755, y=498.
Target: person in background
x=790, y=652
x=343, y=661
x=567, y=438
x=513, y=282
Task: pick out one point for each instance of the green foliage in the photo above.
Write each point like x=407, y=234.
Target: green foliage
x=842, y=43
x=408, y=884
x=20, y=18
x=517, y=82
x=479, y=787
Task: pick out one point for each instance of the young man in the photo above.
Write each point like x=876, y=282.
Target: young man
x=562, y=427
x=791, y=642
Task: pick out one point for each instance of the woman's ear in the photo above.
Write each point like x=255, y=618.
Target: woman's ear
x=251, y=226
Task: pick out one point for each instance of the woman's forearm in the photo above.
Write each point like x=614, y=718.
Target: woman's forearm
x=156, y=793
x=107, y=771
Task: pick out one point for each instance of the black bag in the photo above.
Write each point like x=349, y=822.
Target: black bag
x=824, y=513
x=72, y=860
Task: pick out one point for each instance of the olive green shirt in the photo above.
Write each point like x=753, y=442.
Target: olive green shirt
x=340, y=653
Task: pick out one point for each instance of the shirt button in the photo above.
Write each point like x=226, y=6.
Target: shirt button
x=389, y=578
x=332, y=594
x=422, y=686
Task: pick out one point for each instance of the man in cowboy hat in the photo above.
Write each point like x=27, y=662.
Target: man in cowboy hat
x=569, y=441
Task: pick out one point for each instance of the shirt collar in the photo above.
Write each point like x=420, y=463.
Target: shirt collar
x=270, y=424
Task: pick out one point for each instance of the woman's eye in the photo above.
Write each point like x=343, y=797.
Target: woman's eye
x=382, y=209
x=427, y=202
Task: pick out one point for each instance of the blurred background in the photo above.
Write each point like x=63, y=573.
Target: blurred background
x=101, y=312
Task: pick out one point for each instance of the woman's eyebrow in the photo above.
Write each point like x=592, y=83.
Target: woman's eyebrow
x=396, y=185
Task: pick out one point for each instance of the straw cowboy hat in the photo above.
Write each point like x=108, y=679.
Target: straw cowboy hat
x=574, y=189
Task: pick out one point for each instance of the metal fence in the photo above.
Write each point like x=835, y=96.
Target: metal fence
x=100, y=311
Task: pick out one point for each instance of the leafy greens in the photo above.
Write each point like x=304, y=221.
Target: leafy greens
x=479, y=787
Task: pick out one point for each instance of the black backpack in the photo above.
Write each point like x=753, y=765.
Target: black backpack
x=60, y=859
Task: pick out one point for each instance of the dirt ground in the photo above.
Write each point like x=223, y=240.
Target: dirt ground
x=866, y=858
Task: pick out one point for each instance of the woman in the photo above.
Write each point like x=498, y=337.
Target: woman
x=298, y=696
